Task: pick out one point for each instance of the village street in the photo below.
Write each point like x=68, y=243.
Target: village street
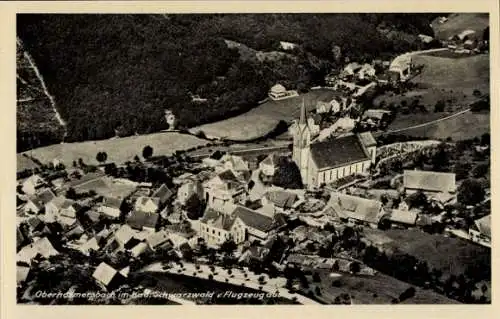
x=272, y=285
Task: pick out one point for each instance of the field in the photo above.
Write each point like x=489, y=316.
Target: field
x=452, y=80
x=459, y=22
x=450, y=255
x=263, y=119
x=377, y=289
x=107, y=187
x=461, y=127
x=119, y=150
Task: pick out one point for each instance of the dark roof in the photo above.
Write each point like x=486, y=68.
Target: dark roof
x=228, y=176
x=337, y=152
x=46, y=196
x=93, y=215
x=218, y=220
x=282, y=199
x=35, y=223
x=163, y=193
x=139, y=219
x=112, y=202
x=254, y=219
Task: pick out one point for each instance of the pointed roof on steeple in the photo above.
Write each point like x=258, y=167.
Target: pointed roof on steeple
x=303, y=119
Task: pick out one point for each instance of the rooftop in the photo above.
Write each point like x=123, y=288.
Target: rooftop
x=254, y=219
x=337, y=152
x=348, y=206
x=139, y=219
x=429, y=181
x=163, y=193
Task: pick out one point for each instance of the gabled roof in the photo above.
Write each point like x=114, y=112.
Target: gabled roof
x=46, y=196
x=254, y=219
x=237, y=163
x=143, y=200
x=112, y=202
x=217, y=220
x=163, y=193
x=104, y=273
x=42, y=246
x=228, y=176
x=157, y=238
x=271, y=159
x=58, y=202
x=429, y=181
x=35, y=223
x=278, y=88
x=282, y=199
x=36, y=202
x=93, y=215
x=22, y=273
x=408, y=217
x=124, y=234
x=139, y=219
x=337, y=152
x=34, y=180
x=484, y=225
x=348, y=206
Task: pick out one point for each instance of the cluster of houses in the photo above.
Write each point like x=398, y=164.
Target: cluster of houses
x=468, y=41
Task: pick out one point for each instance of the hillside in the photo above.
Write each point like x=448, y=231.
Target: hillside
x=458, y=22
x=118, y=73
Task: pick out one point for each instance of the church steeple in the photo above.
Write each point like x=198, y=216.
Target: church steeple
x=303, y=119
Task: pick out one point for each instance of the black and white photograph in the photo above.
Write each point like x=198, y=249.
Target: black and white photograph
x=253, y=158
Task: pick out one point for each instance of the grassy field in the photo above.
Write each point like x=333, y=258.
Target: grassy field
x=461, y=127
x=119, y=150
x=377, y=289
x=450, y=255
x=459, y=22
x=263, y=119
x=451, y=80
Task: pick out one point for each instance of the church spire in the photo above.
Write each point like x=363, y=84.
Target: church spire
x=302, y=119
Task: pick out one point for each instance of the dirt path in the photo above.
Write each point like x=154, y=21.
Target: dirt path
x=425, y=124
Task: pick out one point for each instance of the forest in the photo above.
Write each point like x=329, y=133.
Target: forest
x=116, y=74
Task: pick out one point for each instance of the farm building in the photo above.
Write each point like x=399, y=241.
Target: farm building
x=355, y=209
x=428, y=182
x=401, y=67
x=480, y=232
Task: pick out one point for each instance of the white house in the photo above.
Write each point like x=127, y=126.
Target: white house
x=428, y=182
x=268, y=165
x=480, y=232
x=147, y=204
x=216, y=228
x=225, y=188
x=111, y=207
x=31, y=184
x=278, y=92
x=42, y=247
x=401, y=67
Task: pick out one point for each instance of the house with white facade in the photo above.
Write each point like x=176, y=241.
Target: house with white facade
x=224, y=188
x=279, y=92
x=111, y=207
x=32, y=184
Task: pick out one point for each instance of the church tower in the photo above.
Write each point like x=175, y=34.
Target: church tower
x=301, y=144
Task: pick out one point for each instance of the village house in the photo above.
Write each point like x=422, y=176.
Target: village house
x=142, y=220
x=279, y=92
x=189, y=189
x=258, y=226
x=401, y=67
x=269, y=165
x=480, y=232
x=67, y=214
x=216, y=228
x=32, y=206
x=404, y=218
x=281, y=200
x=225, y=188
x=287, y=46
x=107, y=277
x=356, y=210
x=366, y=71
x=32, y=184
x=163, y=193
x=331, y=159
x=234, y=163
x=58, y=205
x=157, y=240
x=111, y=207
x=41, y=247
x=147, y=204
x=429, y=182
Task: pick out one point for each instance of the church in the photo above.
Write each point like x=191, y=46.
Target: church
x=326, y=161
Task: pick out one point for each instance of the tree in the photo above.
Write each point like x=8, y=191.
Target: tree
x=439, y=107
x=407, y=294
x=480, y=170
x=316, y=277
x=355, y=267
x=101, y=157
x=317, y=290
x=470, y=192
x=485, y=139
x=194, y=207
x=462, y=170
x=287, y=174
x=228, y=247
x=147, y=152
x=440, y=160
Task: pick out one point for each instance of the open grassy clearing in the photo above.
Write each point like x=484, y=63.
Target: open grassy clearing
x=450, y=255
x=458, y=22
x=377, y=289
x=119, y=150
x=261, y=120
x=461, y=127
x=450, y=80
